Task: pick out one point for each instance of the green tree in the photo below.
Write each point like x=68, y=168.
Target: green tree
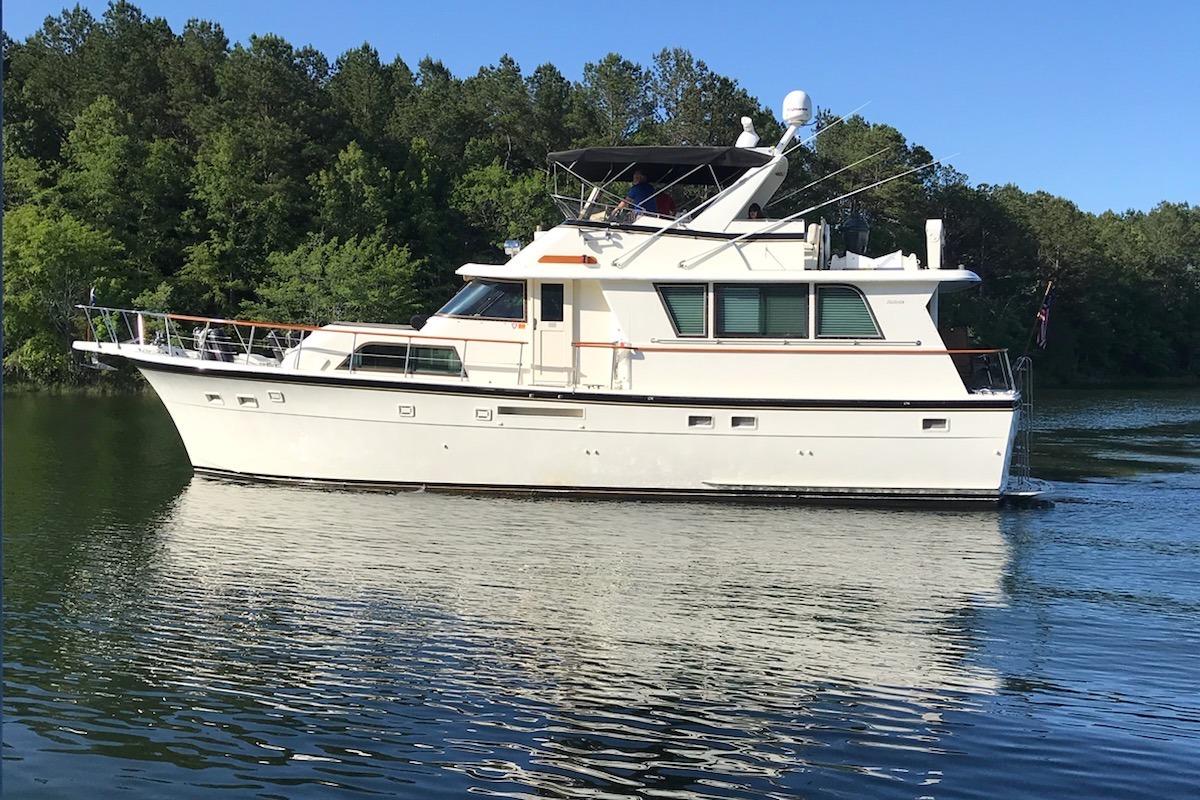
x=364, y=92
x=501, y=205
x=51, y=261
x=502, y=112
x=551, y=98
x=616, y=92
x=324, y=280
x=698, y=107
x=173, y=170
x=355, y=195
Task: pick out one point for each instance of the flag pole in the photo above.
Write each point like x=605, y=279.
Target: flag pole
x=1036, y=319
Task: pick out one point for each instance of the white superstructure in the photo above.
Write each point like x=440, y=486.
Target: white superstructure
x=624, y=351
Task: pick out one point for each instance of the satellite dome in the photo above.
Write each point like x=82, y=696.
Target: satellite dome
x=797, y=108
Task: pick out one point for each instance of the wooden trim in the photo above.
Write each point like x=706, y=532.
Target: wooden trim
x=287, y=326
x=795, y=350
x=567, y=260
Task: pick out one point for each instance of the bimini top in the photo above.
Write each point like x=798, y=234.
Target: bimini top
x=708, y=166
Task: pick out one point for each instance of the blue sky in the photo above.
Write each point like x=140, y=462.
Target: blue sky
x=1095, y=101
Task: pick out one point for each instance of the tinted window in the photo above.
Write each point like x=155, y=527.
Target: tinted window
x=552, y=302
x=428, y=359
x=777, y=311
x=488, y=299
x=434, y=360
x=380, y=357
x=686, y=308
x=842, y=313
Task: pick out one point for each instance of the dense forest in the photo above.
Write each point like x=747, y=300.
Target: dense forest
x=175, y=170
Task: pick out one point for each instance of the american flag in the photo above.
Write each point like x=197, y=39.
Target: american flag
x=1043, y=316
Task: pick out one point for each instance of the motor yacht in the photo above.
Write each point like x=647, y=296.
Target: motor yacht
x=634, y=349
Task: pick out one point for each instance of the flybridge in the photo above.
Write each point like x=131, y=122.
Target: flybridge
x=678, y=182
x=701, y=166
x=724, y=168
x=716, y=193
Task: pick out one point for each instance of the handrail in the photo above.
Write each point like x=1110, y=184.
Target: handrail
x=275, y=341
x=292, y=326
x=331, y=328
x=788, y=342
x=793, y=349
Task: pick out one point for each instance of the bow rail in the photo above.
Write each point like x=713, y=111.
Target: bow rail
x=281, y=344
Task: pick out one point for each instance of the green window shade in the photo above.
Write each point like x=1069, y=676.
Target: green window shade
x=785, y=311
x=776, y=311
x=685, y=304
x=739, y=311
x=842, y=313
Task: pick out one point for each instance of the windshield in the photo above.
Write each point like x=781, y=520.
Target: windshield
x=488, y=300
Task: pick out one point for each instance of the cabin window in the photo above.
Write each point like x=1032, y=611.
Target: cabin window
x=552, y=302
x=434, y=360
x=765, y=310
x=423, y=359
x=842, y=313
x=687, y=307
x=488, y=300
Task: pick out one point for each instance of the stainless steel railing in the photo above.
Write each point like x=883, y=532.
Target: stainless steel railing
x=276, y=344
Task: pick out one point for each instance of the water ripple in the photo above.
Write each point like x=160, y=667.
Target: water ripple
x=167, y=635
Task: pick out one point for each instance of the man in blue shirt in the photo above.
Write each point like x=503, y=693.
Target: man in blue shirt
x=640, y=194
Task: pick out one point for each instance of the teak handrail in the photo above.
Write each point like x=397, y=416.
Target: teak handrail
x=289, y=326
x=821, y=351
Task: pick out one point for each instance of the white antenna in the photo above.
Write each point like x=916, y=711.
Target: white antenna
x=747, y=138
x=688, y=263
x=833, y=124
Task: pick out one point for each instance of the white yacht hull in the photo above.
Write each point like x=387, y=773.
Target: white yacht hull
x=299, y=427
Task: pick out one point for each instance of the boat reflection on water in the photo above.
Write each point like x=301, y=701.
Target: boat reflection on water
x=866, y=596
x=560, y=643
x=279, y=636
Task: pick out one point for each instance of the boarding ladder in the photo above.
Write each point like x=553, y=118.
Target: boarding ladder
x=1020, y=476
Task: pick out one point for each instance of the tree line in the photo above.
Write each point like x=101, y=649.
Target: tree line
x=176, y=170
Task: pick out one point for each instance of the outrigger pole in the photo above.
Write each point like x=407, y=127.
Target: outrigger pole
x=837, y=121
x=827, y=177
x=688, y=263
x=682, y=218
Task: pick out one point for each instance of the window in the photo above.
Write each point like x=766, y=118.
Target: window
x=770, y=310
x=687, y=306
x=552, y=302
x=842, y=313
x=378, y=358
x=434, y=360
x=488, y=300
x=428, y=359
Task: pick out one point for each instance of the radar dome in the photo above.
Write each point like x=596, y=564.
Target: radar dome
x=797, y=108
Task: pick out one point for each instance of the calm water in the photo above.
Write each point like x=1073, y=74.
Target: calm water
x=166, y=636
